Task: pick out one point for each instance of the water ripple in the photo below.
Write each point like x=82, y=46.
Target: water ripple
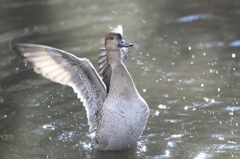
x=190, y=18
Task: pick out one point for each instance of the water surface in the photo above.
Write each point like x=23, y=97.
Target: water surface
x=185, y=63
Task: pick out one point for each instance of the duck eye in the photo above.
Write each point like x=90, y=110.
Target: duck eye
x=111, y=38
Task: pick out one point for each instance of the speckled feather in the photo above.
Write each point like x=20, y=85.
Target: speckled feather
x=119, y=114
x=67, y=69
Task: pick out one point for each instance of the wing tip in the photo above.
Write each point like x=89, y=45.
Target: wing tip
x=16, y=49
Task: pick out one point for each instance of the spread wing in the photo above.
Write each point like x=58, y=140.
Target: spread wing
x=67, y=69
x=104, y=67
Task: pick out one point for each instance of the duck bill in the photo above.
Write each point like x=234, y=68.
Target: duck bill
x=122, y=43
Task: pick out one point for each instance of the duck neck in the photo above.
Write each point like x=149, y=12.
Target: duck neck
x=120, y=78
x=114, y=57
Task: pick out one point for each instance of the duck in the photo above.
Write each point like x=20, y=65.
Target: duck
x=116, y=112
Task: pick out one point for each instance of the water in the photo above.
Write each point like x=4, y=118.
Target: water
x=185, y=64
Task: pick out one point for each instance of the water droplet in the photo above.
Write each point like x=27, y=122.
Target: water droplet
x=206, y=99
x=232, y=142
x=3, y=117
x=213, y=100
x=170, y=144
x=167, y=152
x=114, y=12
x=144, y=21
x=161, y=106
x=233, y=55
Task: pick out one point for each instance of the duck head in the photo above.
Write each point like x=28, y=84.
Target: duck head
x=114, y=41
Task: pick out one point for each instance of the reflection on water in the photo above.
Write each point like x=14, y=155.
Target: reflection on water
x=185, y=63
x=235, y=43
x=191, y=18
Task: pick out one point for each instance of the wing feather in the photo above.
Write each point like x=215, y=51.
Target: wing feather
x=67, y=69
